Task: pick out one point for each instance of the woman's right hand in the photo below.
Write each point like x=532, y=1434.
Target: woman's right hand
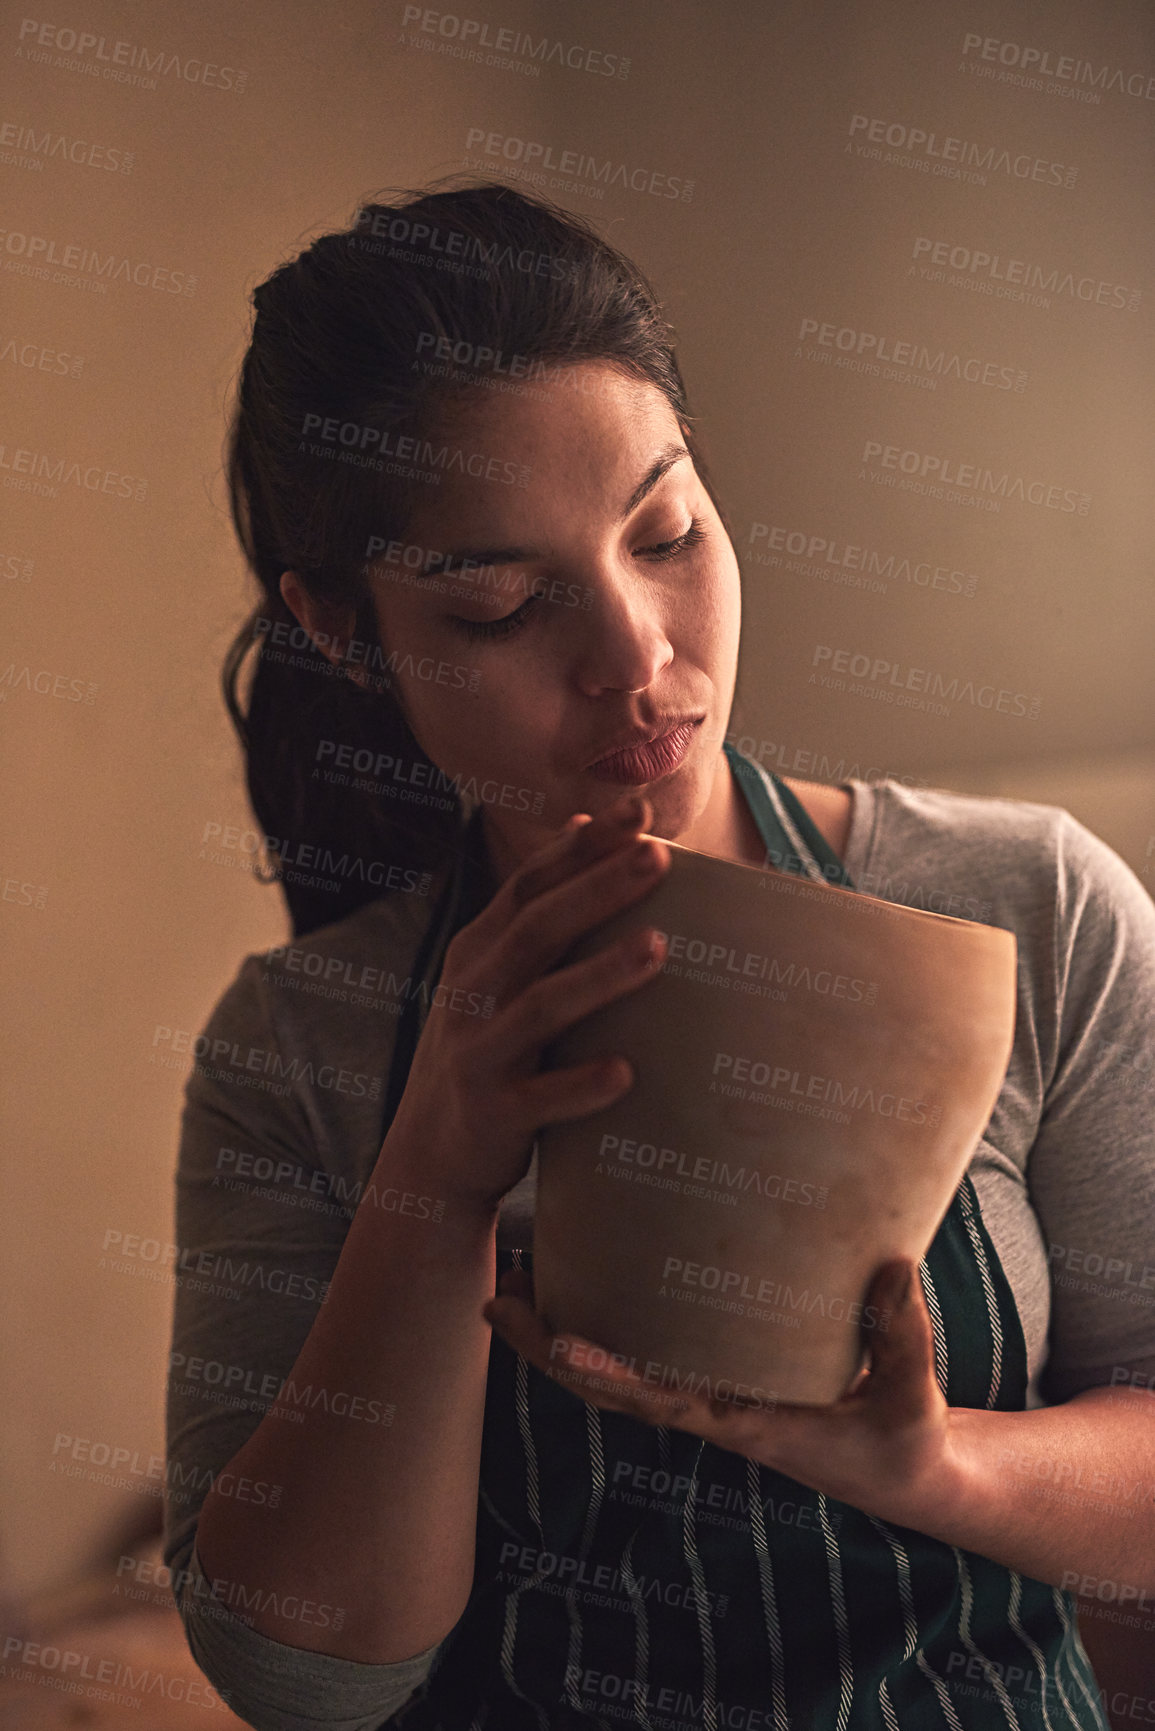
x=476, y=1093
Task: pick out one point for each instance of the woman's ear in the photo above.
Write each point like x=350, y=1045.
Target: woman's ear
x=330, y=627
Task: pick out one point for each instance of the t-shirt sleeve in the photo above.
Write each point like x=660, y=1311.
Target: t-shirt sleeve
x=252, y=1264
x=1091, y=1169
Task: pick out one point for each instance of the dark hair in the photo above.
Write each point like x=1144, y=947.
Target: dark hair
x=336, y=337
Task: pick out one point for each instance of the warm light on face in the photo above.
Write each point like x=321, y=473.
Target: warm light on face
x=534, y=625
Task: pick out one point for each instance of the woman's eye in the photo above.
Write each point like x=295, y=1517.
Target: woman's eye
x=663, y=550
x=495, y=627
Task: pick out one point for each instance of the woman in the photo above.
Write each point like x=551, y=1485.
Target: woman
x=498, y=638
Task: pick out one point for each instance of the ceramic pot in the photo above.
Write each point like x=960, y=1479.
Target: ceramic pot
x=814, y=1068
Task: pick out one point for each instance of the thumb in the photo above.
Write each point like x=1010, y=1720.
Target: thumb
x=516, y=1283
x=899, y=1336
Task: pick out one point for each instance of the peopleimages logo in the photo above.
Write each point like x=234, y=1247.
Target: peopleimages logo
x=36, y=472
x=120, y=62
x=46, y=684
x=919, y=357
x=103, y=1676
x=907, y=680
x=1065, y=68
x=407, y=563
x=703, y=1171
x=754, y=965
x=758, y=1289
x=1018, y=278
x=972, y=478
x=470, y=34
x=39, y=357
x=35, y=148
x=827, y=1090
x=283, y=853
x=406, y=446
x=479, y=356
x=533, y=156
x=383, y=766
x=923, y=149
x=813, y=554
x=601, y=1579
x=37, y=251
x=257, y=1059
x=450, y=248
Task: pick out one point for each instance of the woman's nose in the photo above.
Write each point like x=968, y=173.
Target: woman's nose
x=619, y=643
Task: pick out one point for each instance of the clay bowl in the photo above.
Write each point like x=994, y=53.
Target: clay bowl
x=814, y=1069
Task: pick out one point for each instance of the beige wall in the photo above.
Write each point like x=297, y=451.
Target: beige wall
x=109, y=782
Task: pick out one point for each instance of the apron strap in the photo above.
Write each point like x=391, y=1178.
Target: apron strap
x=793, y=841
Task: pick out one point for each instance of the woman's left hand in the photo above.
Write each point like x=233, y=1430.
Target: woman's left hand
x=884, y=1446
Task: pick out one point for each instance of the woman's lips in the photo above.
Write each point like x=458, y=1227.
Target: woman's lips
x=646, y=763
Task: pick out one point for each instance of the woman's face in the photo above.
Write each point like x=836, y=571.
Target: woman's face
x=599, y=599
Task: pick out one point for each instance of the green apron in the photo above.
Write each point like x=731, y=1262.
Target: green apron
x=628, y=1574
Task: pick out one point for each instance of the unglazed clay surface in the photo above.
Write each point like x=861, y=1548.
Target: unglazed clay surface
x=814, y=1070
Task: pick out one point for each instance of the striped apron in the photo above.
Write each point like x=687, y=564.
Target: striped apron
x=634, y=1575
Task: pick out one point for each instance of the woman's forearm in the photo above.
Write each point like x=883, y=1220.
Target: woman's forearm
x=375, y=1519
x=1065, y=1493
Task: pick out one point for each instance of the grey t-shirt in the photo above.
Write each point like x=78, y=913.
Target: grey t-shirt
x=282, y=1127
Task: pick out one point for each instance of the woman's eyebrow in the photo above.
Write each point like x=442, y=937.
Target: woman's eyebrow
x=661, y=465
x=665, y=460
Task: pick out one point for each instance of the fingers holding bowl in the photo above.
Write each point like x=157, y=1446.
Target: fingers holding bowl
x=594, y=1373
